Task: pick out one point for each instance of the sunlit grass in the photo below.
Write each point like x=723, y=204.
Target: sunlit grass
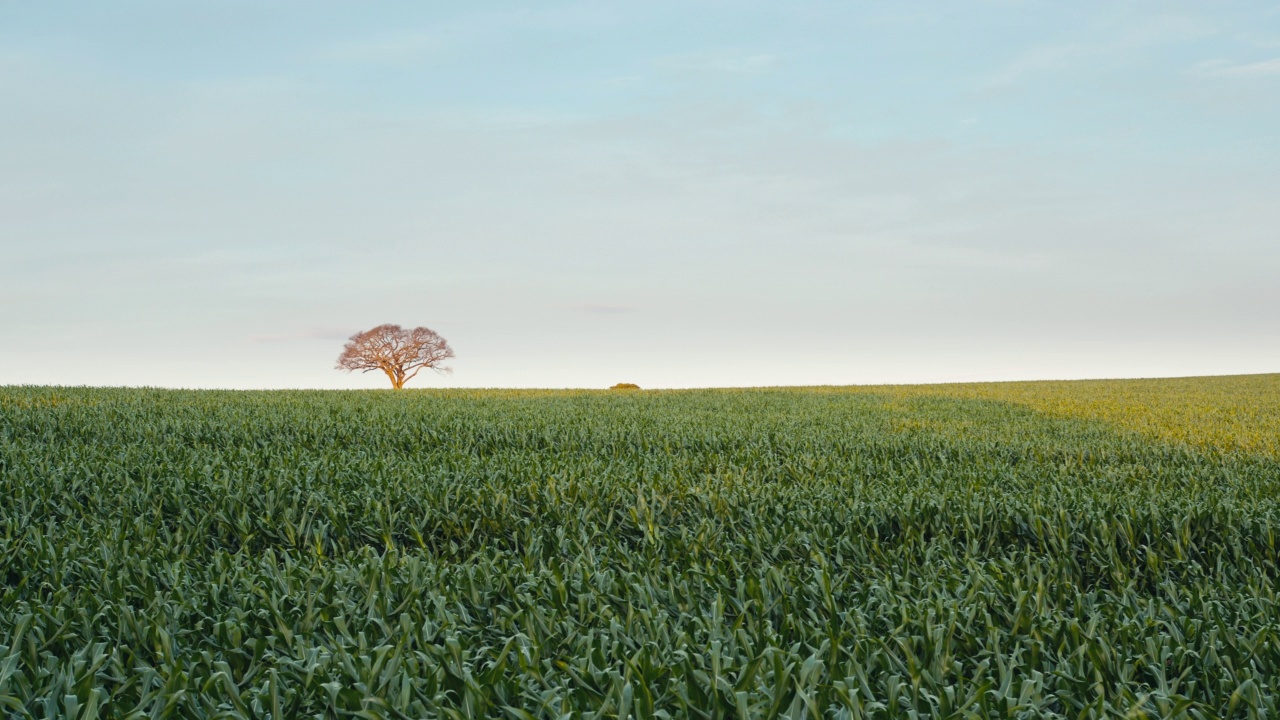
x=995, y=550
x=1229, y=413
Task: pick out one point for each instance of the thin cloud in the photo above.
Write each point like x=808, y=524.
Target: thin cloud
x=1262, y=41
x=1167, y=29
x=597, y=309
x=624, y=80
x=411, y=45
x=390, y=48
x=1226, y=68
x=1162, y=30
x=311, y=334
x=1037, y=60
x=720, y=62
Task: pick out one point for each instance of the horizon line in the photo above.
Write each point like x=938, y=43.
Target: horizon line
x=1133, y=378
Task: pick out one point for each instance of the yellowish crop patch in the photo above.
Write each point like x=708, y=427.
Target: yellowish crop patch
x=1234, y=413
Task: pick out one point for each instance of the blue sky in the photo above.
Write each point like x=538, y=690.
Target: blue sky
x=674, y=194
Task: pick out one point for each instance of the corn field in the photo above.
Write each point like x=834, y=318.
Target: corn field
x=1023, y=550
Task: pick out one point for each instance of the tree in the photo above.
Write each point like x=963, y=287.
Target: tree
x=395, y=351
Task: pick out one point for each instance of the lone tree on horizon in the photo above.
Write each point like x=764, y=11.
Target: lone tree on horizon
x=395, y=351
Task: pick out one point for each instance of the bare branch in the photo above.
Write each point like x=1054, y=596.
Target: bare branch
x=399, y=353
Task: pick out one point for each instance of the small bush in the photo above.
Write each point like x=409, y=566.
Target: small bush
x=625, y=386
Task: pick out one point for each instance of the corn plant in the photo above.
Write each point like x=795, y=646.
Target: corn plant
x=1028, y=550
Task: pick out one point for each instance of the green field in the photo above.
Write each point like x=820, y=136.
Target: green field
x=1093, y=549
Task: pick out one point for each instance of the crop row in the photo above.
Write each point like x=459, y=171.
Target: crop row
x=781, y=553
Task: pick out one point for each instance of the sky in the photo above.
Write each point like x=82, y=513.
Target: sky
x=675, y=194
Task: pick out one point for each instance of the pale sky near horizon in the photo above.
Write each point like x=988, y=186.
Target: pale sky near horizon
x=675, y=194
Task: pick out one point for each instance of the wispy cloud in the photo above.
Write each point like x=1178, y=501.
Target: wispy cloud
x=720, y=61
x=1264, y=41
x=388, y=48
x=1035, y=61
x=468, y=31
x=311, y=334
x=1165, y=29
x=904, y=17
x=624, y=80
x=1226, y=68
x=598, y=309
x=1161, y=30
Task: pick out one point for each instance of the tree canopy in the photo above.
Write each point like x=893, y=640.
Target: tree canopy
x=398, y=352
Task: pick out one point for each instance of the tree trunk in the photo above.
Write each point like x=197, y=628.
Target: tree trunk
x=395, y=382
